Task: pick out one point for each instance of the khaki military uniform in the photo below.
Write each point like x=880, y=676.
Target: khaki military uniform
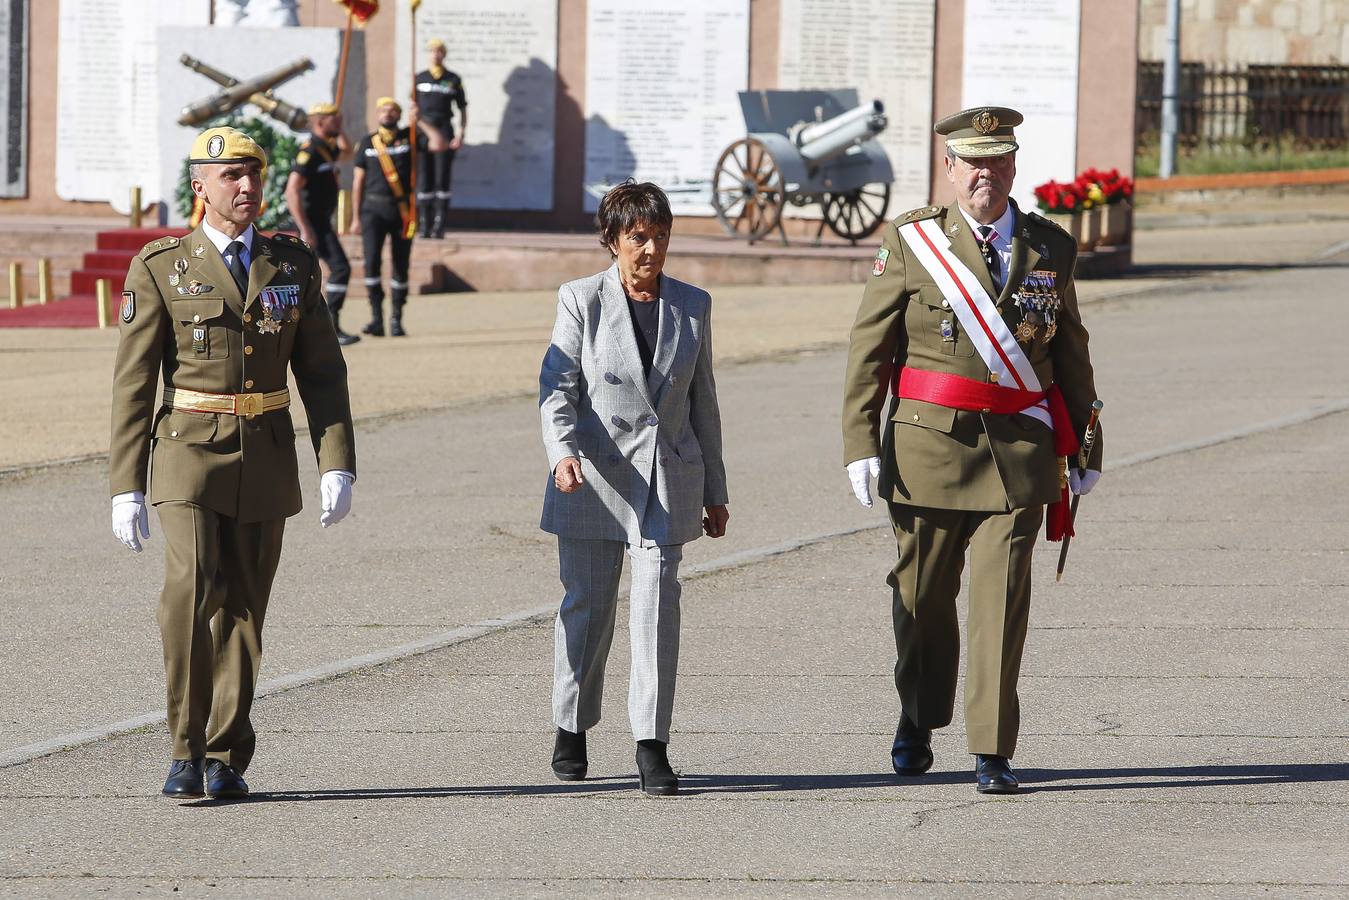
x=223, y=481
x=957, y=480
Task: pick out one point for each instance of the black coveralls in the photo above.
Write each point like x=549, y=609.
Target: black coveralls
x=436, y=99
x=316, y=160
x=381, y=218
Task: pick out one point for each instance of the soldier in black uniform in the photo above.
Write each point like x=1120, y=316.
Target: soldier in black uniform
x=382, y=206
x=438, y=91
x=311, y=195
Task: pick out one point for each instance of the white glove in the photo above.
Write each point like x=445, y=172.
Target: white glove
x=335, y=492
x=1083, y=484
x=860, y=473
x=129, y=513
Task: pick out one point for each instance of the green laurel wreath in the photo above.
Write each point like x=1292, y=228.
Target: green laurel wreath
x=280, y=149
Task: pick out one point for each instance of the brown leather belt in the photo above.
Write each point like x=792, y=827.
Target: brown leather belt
x=246, y=405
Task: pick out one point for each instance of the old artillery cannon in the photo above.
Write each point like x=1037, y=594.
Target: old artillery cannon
x=804, y=147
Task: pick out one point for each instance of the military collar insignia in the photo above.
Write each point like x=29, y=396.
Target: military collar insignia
x=198, y=250
x=288, y=268
x=954, y=229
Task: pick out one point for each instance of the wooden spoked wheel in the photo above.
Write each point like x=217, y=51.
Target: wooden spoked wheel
x=747, y=190
x=856, y=214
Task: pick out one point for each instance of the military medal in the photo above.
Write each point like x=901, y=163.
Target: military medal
x=279, y=302
x=948, y=331
x=179, y=268
x=173, y=280
x=1025, y=331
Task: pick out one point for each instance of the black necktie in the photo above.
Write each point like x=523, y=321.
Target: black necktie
x=235, y=253
x=985, y=240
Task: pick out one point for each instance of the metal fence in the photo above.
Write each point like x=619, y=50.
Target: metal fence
x=1249, y=107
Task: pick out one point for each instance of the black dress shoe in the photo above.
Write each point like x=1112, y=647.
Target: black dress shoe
x=911, y=753
x=374, y=328
x=993, y=775
x=654, y=774
x=569, y=755
x=184, y=781
x=396, y=328
x=223, y=781
x=346, y=339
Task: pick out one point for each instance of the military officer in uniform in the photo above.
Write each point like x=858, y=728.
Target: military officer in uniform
x=968, y=382
x=311, y=196
x=438, y=91
x=219, y=316
x=382, y=206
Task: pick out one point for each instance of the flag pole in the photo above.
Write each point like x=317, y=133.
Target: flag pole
x=412, y=130
x=342, y=66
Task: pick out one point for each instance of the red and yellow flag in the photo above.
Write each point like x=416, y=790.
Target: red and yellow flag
x=361, y=10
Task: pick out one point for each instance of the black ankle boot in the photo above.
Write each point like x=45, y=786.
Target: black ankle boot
x=569, y=755
x=654, y=774
x=424, y=215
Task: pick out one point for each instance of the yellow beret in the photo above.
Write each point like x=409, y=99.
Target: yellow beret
x=980, y=131
x=388, y=101
x=435, y=44
x=323, y=109
x=225, y=145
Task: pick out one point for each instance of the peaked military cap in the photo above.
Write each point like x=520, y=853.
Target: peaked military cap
x=225, y=145
x=980, y=131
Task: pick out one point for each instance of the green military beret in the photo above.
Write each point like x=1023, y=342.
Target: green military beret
x=980, y=131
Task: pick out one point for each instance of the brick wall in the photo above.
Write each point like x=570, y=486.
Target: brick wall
x=1293, y=32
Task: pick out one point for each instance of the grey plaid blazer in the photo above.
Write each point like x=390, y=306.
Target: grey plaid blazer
x=631, y=432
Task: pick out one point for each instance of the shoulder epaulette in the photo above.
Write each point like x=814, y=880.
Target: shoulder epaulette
x=156, y=246
x=292, y=240
x=922, y=212
x=1041, y=220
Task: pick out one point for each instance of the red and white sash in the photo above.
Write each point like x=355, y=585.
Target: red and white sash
x=978, y=315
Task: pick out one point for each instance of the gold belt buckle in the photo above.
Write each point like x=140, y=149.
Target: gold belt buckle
x=247, y=405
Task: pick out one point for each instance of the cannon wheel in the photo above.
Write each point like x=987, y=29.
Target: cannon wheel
x=856, y=214
x=747, y=191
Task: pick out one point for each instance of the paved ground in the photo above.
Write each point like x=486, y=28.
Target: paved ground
x=1185, y=690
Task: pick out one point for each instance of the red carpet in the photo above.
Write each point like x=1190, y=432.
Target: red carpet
x=112, y=256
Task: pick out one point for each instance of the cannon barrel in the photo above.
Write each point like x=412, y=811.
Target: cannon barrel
x=286, y=113
x=243, y=92
x=823, y=140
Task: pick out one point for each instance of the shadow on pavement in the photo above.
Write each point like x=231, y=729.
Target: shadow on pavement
x=1032, y=781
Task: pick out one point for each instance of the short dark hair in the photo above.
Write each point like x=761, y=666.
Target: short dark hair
x=628, y=205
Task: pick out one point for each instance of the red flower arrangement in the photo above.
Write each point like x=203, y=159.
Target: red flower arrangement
x=1091, y=188
x=1053, y=197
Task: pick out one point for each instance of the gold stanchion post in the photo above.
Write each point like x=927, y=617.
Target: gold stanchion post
x=136, y=207
x=44, y=281
x=104, y=291
x=15, y=285
x=343, y=212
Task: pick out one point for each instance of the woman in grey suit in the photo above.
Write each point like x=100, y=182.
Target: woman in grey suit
x=633, y=434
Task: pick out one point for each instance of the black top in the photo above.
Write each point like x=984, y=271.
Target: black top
x=437, y=98
x=645, y=326
x=400, y=151
x=316, y=160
